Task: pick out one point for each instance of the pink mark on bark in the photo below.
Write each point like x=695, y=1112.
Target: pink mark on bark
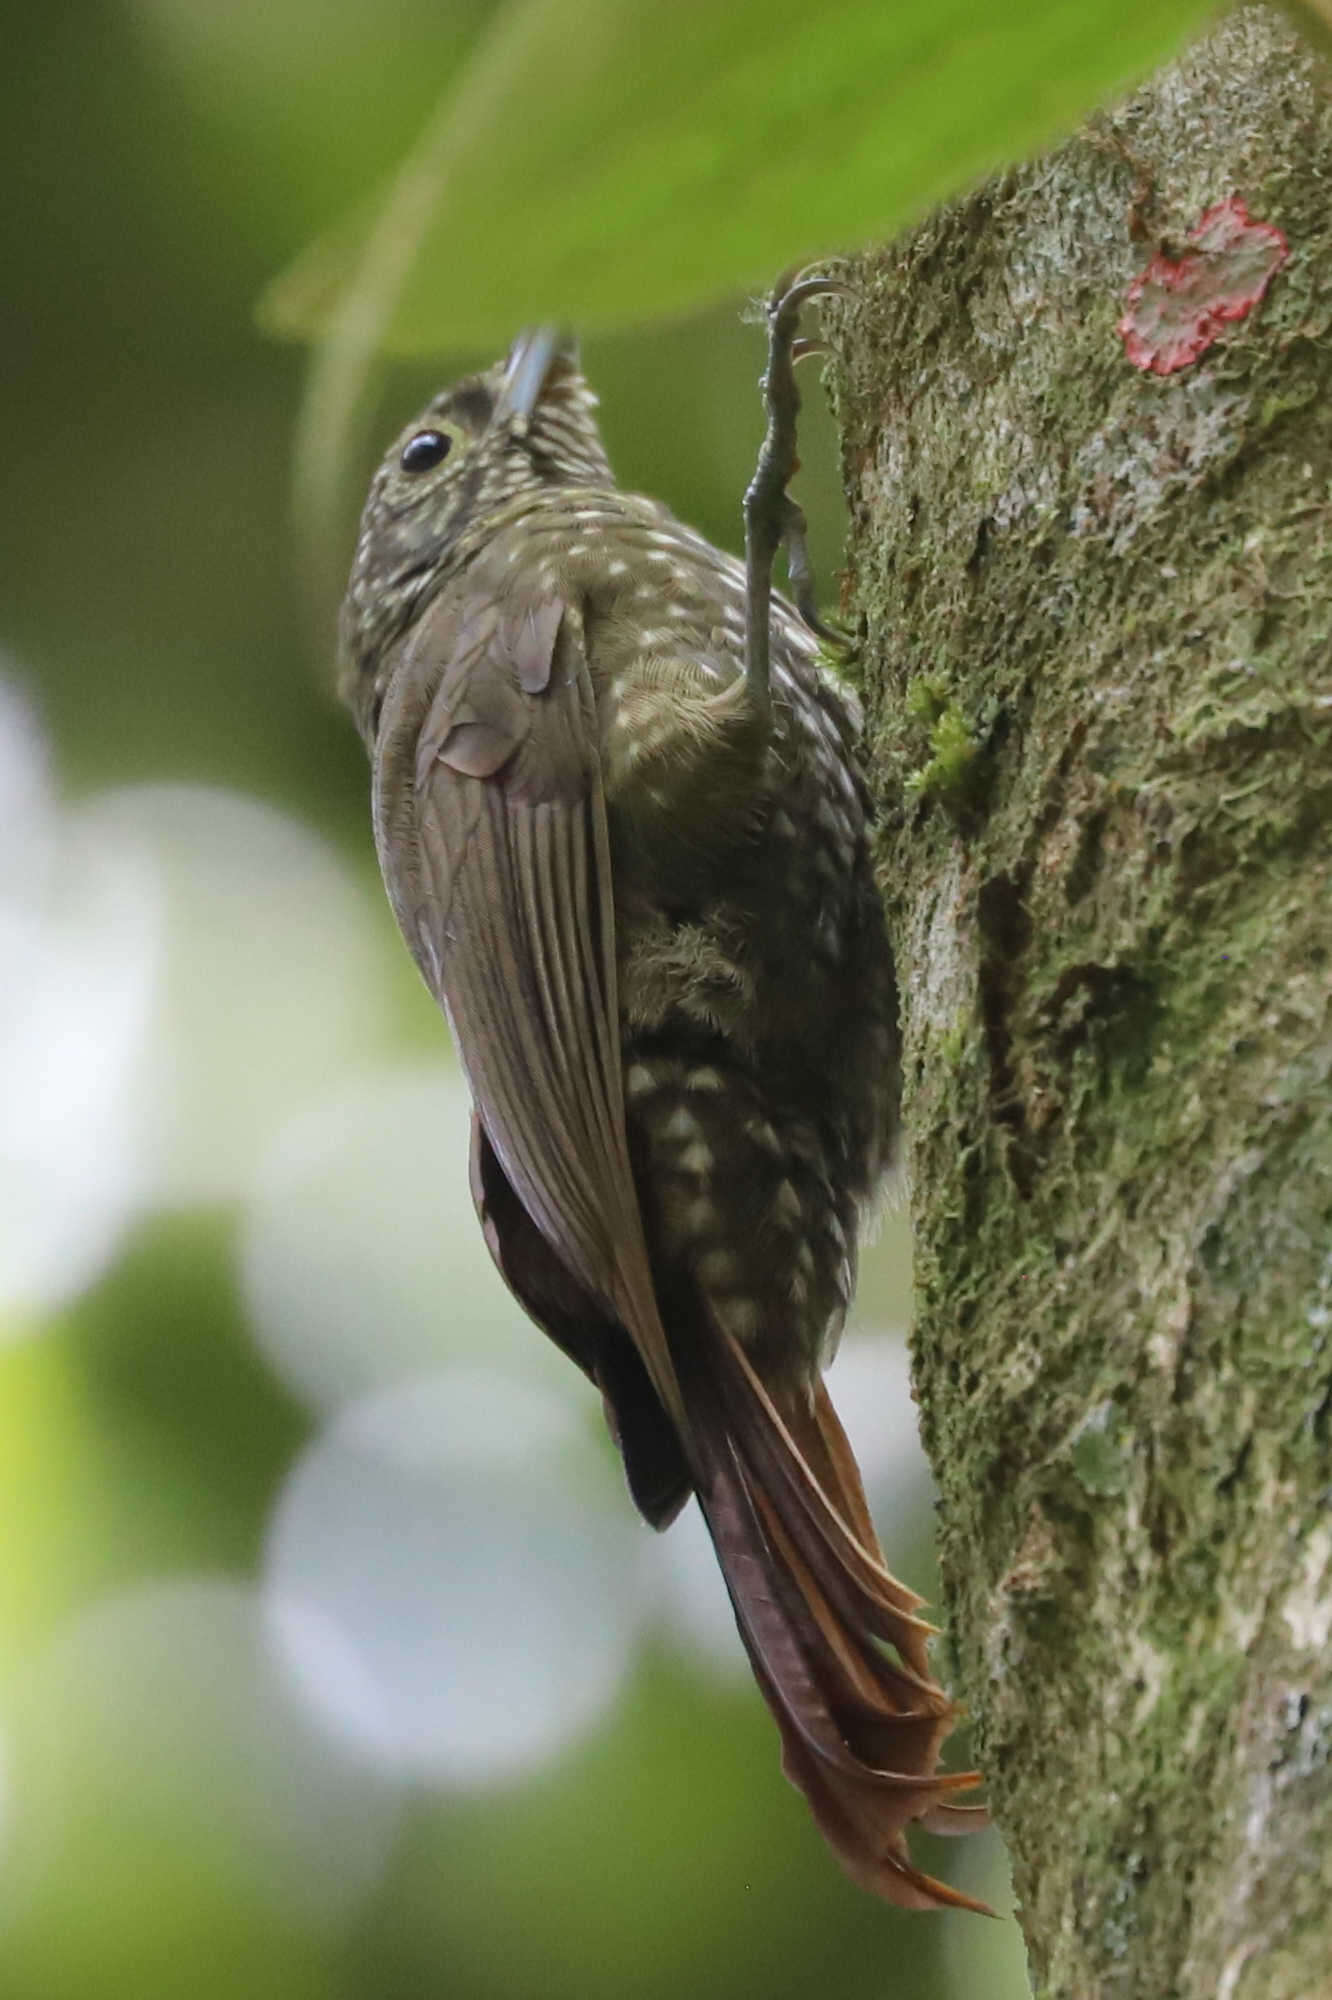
x=1175, y=309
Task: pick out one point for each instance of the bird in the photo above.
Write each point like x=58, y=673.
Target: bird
x=623, y=823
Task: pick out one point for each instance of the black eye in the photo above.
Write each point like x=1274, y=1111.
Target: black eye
x=425, y=450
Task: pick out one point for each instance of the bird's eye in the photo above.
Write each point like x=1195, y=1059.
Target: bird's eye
x=425, y=450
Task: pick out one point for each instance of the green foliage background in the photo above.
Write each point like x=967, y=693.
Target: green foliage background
x=634, y=167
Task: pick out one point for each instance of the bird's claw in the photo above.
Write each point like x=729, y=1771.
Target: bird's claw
x=796, y=288
x=772, y=517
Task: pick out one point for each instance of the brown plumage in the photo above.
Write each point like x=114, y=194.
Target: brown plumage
x=644, y=899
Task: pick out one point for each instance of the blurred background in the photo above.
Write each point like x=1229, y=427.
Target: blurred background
x=333, y=1658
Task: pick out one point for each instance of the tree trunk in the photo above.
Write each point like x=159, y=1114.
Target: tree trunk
x=1097, y=668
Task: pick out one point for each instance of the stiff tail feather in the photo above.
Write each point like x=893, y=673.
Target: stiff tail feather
x=833, y=1638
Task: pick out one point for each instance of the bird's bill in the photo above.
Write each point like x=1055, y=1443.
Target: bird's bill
x=530, y=361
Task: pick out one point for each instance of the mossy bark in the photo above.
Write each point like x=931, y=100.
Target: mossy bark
x=1097, y=665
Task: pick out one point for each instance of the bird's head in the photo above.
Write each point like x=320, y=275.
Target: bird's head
x=476, y=450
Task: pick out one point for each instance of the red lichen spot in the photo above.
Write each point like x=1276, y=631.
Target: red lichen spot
x=1176, y=307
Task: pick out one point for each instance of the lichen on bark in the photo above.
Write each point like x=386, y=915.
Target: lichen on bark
x=1108, y=881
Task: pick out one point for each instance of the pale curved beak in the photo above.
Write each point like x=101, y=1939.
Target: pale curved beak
x=531, y=358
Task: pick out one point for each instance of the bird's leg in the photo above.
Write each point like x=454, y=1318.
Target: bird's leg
x=681, y=745
x=801, y=577
x=771, y=515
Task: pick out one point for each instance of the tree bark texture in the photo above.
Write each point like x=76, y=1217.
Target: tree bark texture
x=1097, y=670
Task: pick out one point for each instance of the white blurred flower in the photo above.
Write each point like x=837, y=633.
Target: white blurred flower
x=80, y=939
x=464, y=1568
x=181, y=969
x=272, y=978
x=362, y=1263
x=690, y=1605
x=870, y=1384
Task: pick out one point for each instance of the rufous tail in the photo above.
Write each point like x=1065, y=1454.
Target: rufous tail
x=834, y=1639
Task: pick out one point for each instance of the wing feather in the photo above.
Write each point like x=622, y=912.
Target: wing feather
x=488, y=766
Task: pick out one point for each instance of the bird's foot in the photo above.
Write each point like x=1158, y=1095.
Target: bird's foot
x=772, y=517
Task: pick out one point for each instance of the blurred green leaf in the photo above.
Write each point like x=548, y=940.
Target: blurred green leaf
x=295, y=109
x=616, y=161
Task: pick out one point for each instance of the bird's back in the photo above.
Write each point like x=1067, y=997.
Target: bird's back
x=757, y=1006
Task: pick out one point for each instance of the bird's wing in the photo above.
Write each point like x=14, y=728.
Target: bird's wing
x=491, y=829
x=650, y=1444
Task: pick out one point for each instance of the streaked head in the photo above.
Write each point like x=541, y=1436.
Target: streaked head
x=479, y=446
